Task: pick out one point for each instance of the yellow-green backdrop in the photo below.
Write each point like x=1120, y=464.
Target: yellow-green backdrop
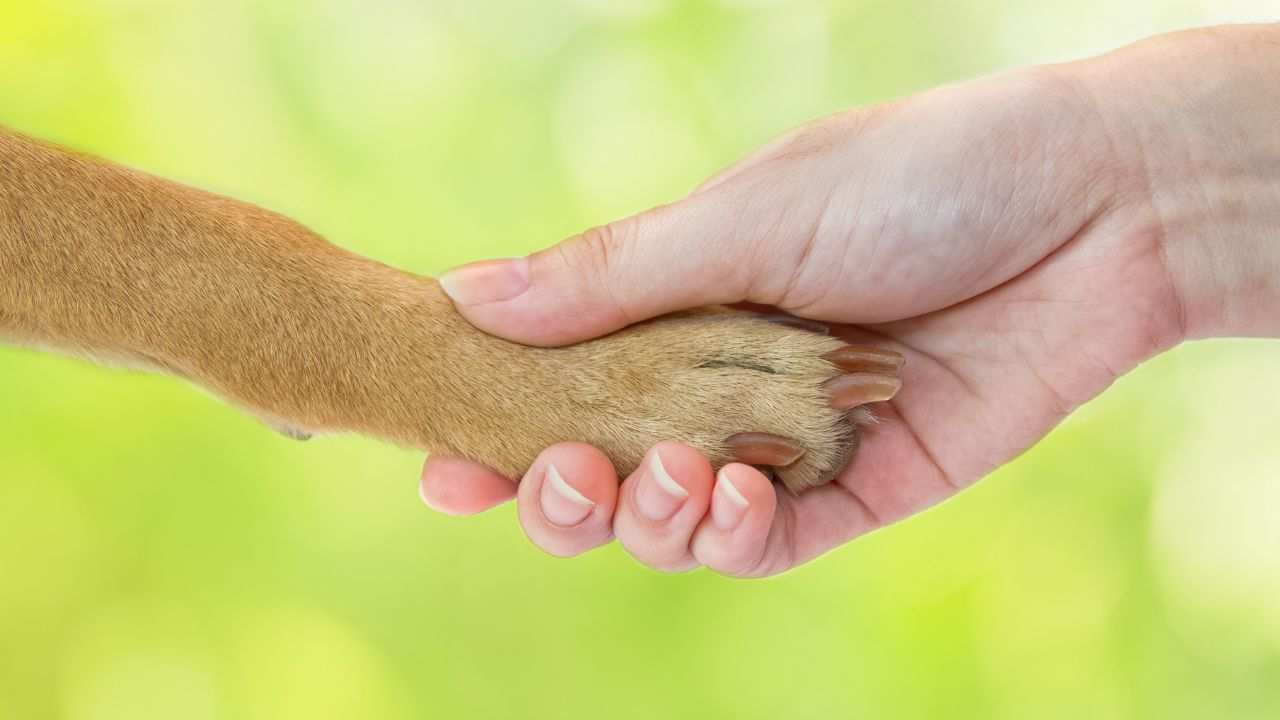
x=163, y=556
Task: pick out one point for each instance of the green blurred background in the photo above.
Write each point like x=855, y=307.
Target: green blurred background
x=162, y=555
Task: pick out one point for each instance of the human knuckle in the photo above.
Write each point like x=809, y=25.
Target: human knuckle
x=599, y=248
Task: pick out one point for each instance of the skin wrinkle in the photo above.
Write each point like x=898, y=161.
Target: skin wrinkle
x=948, y=370
x=1100, y=360
x=1031, y=360
x=795, y=213
x=876, y=242
x=1145, y=184
x=796, y=278
x=1061, y=405
x=597, y=243
x=1155, y=341
x=764, y=561
x=881, y=232
x=1157, y=317
x=872, y=516
x=929, y=453
x=776, y=555
x=985, y=238
x=760, y=249
x=744, y=274
x=807, y=142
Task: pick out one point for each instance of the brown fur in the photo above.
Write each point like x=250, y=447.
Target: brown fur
x=114, y=264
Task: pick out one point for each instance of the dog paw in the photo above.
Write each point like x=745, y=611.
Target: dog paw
x=736, y=386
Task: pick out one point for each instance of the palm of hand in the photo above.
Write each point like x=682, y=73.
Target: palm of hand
x=1002, y=254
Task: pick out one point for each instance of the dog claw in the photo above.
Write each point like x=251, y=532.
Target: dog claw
x=850, y=391
x=755, y=448
x=799, y=323
x=862, y=358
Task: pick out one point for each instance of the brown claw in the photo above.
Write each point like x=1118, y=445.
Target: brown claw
x=850, y=391
x=800, y=323
x=862, y=358
x=755, y=448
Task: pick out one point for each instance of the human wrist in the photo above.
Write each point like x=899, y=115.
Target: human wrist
x=1195, y=119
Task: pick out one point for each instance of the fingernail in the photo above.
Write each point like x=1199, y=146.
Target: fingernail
x=486, y=281
x=658, y=495
x=562, y=504
x=728, y=505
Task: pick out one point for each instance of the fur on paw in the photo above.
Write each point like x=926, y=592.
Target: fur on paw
x=737, y=386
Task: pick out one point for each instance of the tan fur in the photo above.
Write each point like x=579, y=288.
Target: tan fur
x=107, y=262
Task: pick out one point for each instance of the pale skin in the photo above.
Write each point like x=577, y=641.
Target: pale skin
x=1023, y=240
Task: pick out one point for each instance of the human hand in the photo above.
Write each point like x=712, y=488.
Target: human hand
x=1023, y=240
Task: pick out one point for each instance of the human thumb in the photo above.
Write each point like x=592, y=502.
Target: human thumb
x=688, y=254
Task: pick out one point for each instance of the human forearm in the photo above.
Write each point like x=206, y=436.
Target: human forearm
x=1195, y=117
